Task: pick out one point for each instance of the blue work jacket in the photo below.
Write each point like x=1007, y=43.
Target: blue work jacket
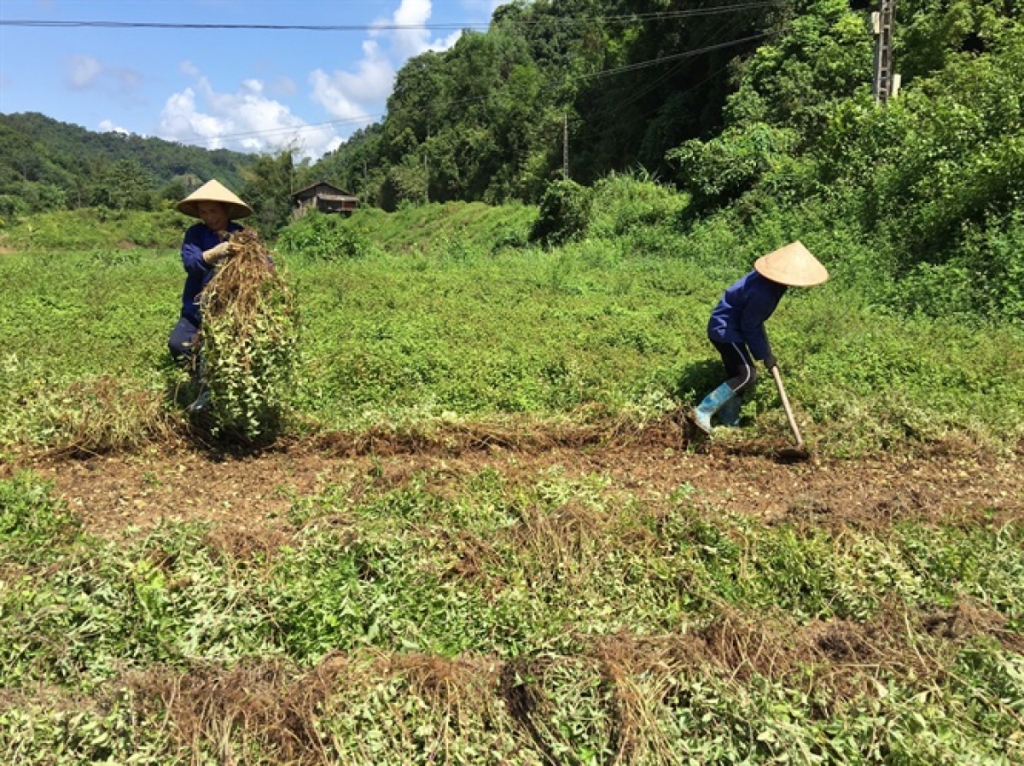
x=740, y=315
x=198, y=238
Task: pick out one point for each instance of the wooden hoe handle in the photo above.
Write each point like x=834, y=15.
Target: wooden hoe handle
x=785, y=404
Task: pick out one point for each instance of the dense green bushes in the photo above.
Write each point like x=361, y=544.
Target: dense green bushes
x=322, y=237
x=925, y=192
x=564, y=213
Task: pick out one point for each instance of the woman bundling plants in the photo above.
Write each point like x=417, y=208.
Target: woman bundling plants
x=206, y=244
x=249, y=337
x=243, y=319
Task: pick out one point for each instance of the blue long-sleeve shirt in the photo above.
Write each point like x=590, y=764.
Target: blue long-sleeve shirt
x=198, y=238
x=740, y=315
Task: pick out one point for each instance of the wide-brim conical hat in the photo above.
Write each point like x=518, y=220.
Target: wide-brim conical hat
x=214, y=191
x=792, y=265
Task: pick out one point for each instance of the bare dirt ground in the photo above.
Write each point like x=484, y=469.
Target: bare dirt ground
x=252, y=494
x=247, y=499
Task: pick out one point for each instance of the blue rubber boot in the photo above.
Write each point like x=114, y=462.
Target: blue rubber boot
x=202, y=403
x=712, y=403
x=729, y=414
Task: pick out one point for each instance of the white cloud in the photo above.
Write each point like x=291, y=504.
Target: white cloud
x=407, y=43
x=106, y=126
x=253, y=119
x=246, y=120
x=481, y=5
x=83, y=72
x=190, y=69
x=348, y=95
x=282, y=86
x=128, y=79
x=88, y=73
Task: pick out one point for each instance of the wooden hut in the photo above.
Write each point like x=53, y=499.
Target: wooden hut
x=324, y=197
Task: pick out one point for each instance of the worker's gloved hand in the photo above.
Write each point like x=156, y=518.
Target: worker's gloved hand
x=770, y=361
x=218, y=252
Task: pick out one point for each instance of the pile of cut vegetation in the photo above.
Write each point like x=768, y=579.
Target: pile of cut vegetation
x=248, y=338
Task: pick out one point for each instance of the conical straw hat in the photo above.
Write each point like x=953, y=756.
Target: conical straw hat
x=792, y=265
x=214, y=191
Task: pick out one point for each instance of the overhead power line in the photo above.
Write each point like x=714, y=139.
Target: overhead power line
x=636, y=95
x=386, y=27
x=263, y=27
x=367, y=118
x=473, y=99
x=672, y=57
x=670, y=15
x=297, y=129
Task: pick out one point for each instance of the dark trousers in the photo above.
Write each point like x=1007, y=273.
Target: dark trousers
x=739, y=365
x=182, y=342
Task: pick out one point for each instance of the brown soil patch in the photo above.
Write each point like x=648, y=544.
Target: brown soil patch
x=247, y=497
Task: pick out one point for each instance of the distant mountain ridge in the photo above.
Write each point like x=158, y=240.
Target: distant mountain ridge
x=45, y=163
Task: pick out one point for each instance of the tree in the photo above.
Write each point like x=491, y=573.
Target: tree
x=124, y=185
x=268, y=190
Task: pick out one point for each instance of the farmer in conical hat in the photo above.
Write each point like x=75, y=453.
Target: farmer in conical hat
x=736, y=328
x=206, y=243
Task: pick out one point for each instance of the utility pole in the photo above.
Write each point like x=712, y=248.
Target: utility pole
x=426, y=171
x=886, y=84
x=565, y=147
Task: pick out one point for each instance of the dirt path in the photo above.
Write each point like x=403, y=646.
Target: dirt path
x=247, y=495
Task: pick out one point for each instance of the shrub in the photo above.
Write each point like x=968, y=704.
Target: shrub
x=725, y=167
x=324, y=237
x=564, y=214
x=636, y=205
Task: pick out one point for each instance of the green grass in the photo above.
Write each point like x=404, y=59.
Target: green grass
x=531, y=619
x=400, y=334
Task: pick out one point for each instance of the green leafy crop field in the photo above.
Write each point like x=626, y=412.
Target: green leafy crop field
x=408, y=335
x=486, y=533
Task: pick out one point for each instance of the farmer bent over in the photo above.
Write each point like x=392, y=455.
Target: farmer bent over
x=204, y=246
x=737, y=330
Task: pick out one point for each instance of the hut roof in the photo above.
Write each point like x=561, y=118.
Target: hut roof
x=335, y=192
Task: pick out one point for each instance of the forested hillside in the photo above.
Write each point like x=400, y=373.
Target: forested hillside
x=485, y=120
x=49, y=165
x=762, y=113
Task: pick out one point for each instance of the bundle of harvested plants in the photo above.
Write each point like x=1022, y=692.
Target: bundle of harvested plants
x=248, y=339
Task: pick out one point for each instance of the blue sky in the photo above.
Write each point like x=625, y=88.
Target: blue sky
x=248, y=90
